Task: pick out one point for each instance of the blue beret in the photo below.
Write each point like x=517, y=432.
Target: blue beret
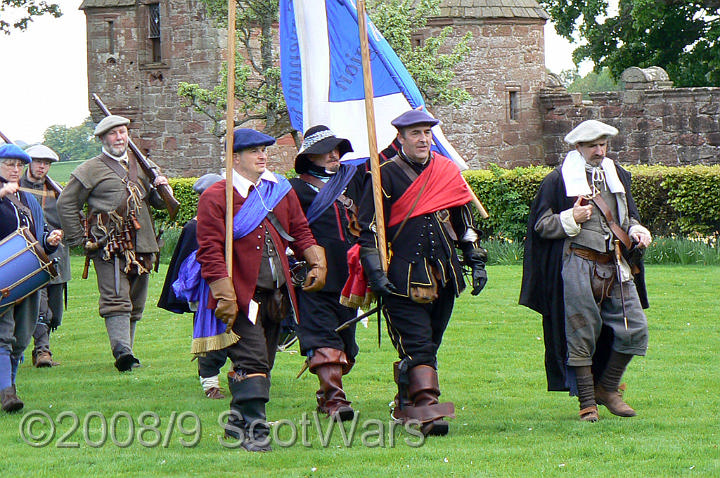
x=413, y=117
x=244, y=138
x=12, y=151
x=205, y=182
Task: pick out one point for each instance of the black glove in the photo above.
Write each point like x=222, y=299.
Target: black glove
x=476, y=258
x=377, y=279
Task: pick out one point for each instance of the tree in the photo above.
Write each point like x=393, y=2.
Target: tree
x=23, y=12
x=77, y=142
x=680, y=36
x=258, y=91
x=591, y=83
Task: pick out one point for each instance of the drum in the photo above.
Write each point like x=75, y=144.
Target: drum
x=24, y=267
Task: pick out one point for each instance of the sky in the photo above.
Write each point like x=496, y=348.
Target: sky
x=47, y=84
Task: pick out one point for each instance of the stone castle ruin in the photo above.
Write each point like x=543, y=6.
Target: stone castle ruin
x=139, y=51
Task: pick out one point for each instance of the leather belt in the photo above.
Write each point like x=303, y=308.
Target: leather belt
x=589, y=254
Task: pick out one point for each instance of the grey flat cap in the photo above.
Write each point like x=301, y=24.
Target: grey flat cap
x=109, y=122
x=205, y=182
x=40, y=151
x=589, y=130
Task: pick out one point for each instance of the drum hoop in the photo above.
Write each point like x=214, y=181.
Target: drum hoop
x=32, y=245
x=20, y=281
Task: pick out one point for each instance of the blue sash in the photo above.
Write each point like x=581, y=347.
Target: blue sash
x=330, y=192
x=209, y=331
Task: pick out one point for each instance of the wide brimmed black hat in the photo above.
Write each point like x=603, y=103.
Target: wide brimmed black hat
x=319, y=140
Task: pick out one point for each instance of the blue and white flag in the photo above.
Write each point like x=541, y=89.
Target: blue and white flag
x=322, y=76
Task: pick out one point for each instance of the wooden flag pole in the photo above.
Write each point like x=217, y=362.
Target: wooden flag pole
x=230, y=128
x=229, y=139
x=372, y=135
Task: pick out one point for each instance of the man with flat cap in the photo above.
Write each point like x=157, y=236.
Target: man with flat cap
x=52, y=296
x=426, y=204
x=590, y=294
x=256, y=298
x=210, y=361
x=19, y=210
x=119, y=236
x=328, y=192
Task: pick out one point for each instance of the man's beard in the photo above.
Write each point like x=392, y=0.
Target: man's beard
x=116, y=150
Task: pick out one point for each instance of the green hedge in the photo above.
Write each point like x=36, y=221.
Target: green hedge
x=671, y=200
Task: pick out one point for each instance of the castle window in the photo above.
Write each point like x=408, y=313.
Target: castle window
x=513, y=101
x=154, y=31
x=111, y=36
x=513, y=105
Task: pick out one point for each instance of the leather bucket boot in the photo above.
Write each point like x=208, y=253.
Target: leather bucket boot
x=247, y=421
x=608, y=390
x=402, y=400
x=424, y=390
x=328, y=364
x=9, y=400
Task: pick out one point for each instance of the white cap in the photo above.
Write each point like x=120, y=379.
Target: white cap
x=40, y=151
x=589, y=130
x=109, y=122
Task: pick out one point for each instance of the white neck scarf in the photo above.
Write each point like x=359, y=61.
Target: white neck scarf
x=575, y=177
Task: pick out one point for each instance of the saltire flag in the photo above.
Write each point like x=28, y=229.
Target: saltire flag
x=322, y=76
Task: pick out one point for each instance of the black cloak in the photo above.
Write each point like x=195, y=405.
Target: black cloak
x=542, y=286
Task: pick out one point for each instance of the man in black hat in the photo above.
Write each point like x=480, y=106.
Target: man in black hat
x=51, y=296
x=427, y=215
x=591, y=301
x=120, y=236
x=268, y=219
x=328, y=192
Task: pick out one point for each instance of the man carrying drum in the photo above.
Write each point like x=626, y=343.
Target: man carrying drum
x=18, y=210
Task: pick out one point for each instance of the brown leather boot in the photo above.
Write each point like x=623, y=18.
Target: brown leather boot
x=9, y=400
x=613, y=401
x=328, y=365
x=44, y=359
x=424, y=390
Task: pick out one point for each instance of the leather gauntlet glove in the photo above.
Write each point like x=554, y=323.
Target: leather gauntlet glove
x=377, y=279
x=317, y=268
x=224, y=292
x=476, y=258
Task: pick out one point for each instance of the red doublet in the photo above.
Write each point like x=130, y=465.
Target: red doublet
x=247, y=251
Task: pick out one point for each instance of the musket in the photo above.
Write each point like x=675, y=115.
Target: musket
x=49, y=182
x=164, y=190
x=618, y=271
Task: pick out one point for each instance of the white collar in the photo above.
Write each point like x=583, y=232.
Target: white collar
x=107, y=153
x=242, y=184
x=575, y=177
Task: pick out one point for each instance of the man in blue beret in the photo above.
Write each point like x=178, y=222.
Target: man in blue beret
x=253, y=301
x=426, y=204
x=591, y=298
x=119, y=236
x=19, y=210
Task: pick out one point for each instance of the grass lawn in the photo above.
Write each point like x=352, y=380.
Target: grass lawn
x=490, y=367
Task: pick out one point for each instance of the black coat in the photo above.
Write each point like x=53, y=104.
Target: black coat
x=331, y=229
x=542, y=286
x=422, y=241
x=187, y=243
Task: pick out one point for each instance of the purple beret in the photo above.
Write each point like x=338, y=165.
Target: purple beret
x=414, y=117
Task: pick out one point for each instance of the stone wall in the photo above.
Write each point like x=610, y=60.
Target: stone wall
x=507, y=56
x=657, y=124
x=122, y=73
